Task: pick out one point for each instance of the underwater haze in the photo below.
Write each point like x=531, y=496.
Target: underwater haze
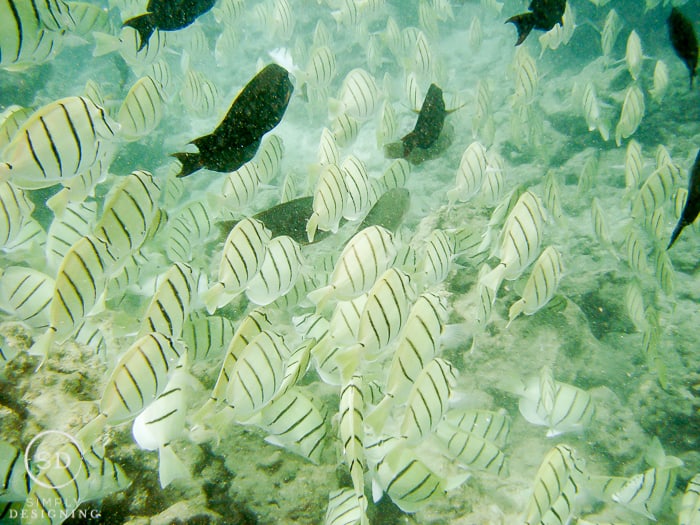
x=349, y=262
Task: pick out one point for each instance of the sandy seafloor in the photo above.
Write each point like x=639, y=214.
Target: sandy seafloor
x=588, y=339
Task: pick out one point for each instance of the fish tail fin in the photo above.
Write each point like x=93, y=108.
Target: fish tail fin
x=190, y=163
x=524, y=24
x=144, y=26
x=516, y=309
x=92, y=430
x=170, y=466
x=676, y=232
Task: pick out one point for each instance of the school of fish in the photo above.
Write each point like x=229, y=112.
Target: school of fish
x=222, y=223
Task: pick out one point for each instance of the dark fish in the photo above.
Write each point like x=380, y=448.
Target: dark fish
x=543, y=15
x=692, y=204
x=167, y=15
x=258, y=108
x=289, y=218
x=430, y=121
x=684, y=40
x=388, y=211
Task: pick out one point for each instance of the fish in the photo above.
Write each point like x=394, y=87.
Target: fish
x=389, y=210
x=692, y=203
x=15, y=478
x=187, y=229
x=351, y=433
x=242, y=256
x=206, y=336
x=26, y=293
x=278, y=272
x=329, y=202
x=487, y=424
x=15, y=210
x=541, y=285
x=139, y=377
x=359, y=95
x=684, y=40
x=592, y=113
x=660, y=81
x=557, y=484
x=610, y=32
x=689, y=513
x=470, y=173
x=167, y=15
x=427, y=402
x=366, y=256
x=296, y=423
x=345, y=507
x=128, y=213
x=431, y=120
x=541, y=15
x=164, y=421
x=634, y=55
x=269, y=158
x=11, y=119
x=240, y=188
x=437, y=259
x=58, y=141
x=631, y=115
x=471, y=450
x=257, y=109
x=357, y=202
x=559, y=406
x=199, y=94
x=171, y=303
x=141, y=110
x=82, y=474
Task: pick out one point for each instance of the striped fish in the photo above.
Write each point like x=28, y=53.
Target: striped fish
x=385, y=313
x=295, y=422
x=470, y=174
x=471, y=450
x=494, y=183
x=526, y=79
x=330, y=197
x=82, y=475
x=76, y=221
x=187, y=229
x=396, y=175
x=386, y=127
x=228, y=11
x=226, y=46
x=357, y=202
x=407, y=480
x=559, y=406
x=557, y=484
x=634, y=162
x=11, y=119
x=645, y=493
x=14, y=477
x=654, y=193
x=352, y=434
x=171, y=302
x=437, y=258
x=592, y=113
x=634, y=55
x=427, y=401
x=278, y=272
x=137, y=380
x=599, y=226
x=206, y=337
x=658, y=91
x=689, y=513
x=25, y=294
x=240, y=188
x=476, y=34
x=241, y=259
x=327, y=149
x=269, y=158
x=359, y=95
x=611, y=29
x=634, y=303
x=485, y=297
x=199, y=94
x=250, y=326
x=128, y=213
x=79, y=288
x=15, y=210
x=491, y=426
x=663, y=271
x=141, y=110
x=79, y=188
x=160, y=72
x=589, y=173
x=552, y=195
x=631, y=114
x=635, y=253
x=58, y=142
x=321, y=67
x=519, y=241
x=541, y=285
x=31, y=32
x=257, y=374
x=164, y=421
x=345, y=508
x=364, y=258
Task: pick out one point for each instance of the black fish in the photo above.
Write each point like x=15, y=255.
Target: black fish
x=430, y=121
x=389, y=210
x=167, y=15
x=684, y=41
x=257, y=109
x=543, y=15
x=692, y=204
